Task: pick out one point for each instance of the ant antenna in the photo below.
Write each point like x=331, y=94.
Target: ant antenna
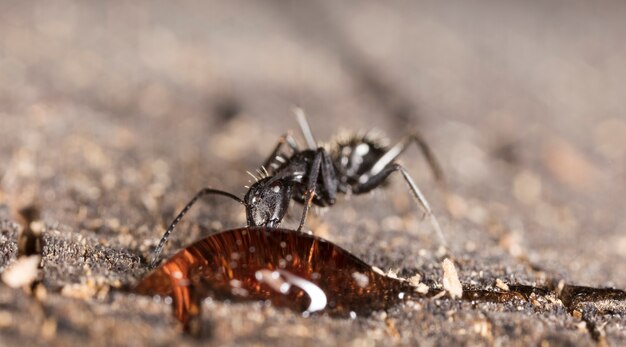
x=305, y=128
x=157, y=251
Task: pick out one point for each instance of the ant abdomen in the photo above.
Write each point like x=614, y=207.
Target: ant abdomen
x=355, y=156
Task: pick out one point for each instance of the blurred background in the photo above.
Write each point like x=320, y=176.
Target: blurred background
x=523, y=103
x=113, y=114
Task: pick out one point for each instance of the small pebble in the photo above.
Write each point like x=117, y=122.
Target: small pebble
x=451, y=281
x=22, y=272
x=415, y=280
x=422, y=288
x=500, y=284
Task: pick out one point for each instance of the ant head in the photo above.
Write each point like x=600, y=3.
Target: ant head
x=267, y=202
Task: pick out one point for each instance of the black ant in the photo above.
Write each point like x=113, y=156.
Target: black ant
x=315, y=175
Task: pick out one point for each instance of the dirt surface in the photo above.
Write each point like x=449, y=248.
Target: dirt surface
x=113, y=115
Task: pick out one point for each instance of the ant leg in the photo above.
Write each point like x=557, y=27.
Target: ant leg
x=284, y=139
x=321, y=163
x=394, y=152
x=376, y=180
x=157, y=251
x=305, y=128
x=329, y=178
x=432, y=161
x=310, y=185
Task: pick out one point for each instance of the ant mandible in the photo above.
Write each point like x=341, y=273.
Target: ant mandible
x=315, y=175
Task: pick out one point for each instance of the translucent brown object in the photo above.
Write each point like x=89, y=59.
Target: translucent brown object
x=285, y=267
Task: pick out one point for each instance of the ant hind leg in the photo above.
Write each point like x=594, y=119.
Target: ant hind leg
x=394, y=152
x=376, y=180
x=432, y=161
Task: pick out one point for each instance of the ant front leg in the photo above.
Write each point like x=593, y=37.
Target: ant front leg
x=372, y=182
x=323, y=164
x=284, y=139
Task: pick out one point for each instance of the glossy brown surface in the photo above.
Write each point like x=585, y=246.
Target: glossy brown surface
x=290, y=269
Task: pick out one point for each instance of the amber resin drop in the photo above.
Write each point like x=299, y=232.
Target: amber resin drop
x=290, y=269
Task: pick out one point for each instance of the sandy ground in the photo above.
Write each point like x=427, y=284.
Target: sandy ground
x=113, y=115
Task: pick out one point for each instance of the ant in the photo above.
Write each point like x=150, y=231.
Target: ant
x=315, y=175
